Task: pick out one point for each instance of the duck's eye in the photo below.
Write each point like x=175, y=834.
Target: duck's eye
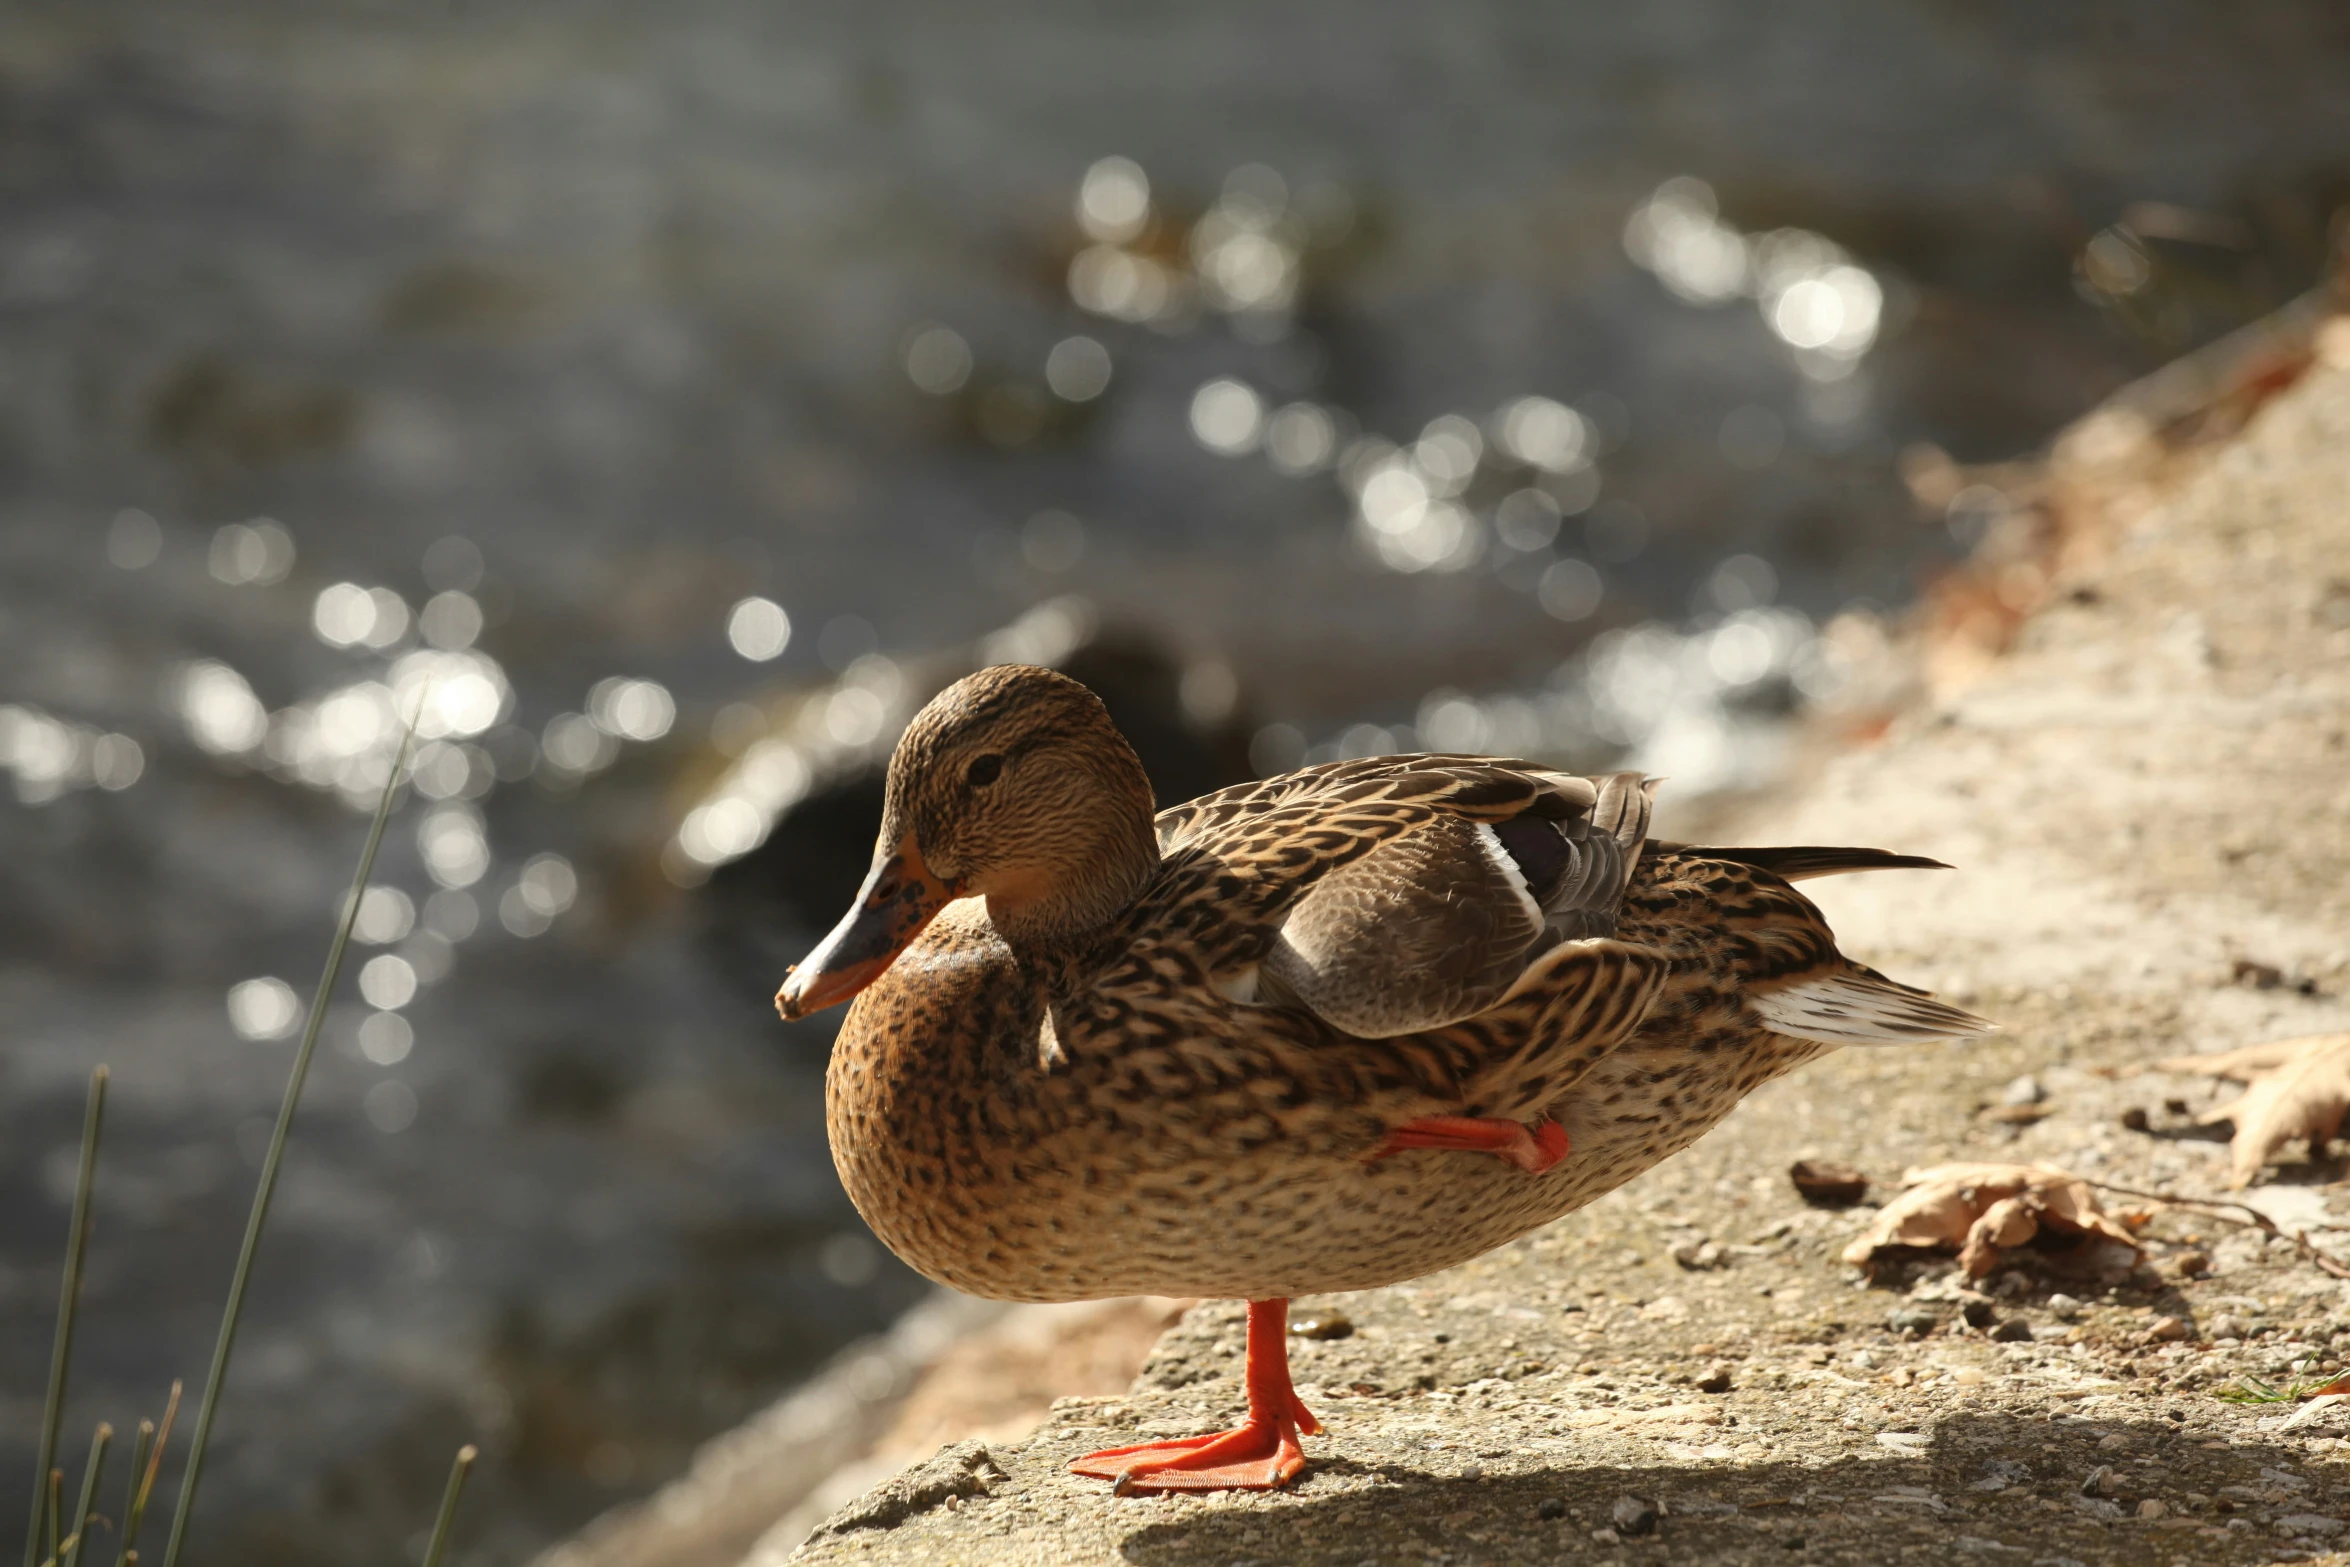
x=984, y=771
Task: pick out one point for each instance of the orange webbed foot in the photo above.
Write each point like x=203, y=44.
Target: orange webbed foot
x=1531, y=1151
x=1260, y=1455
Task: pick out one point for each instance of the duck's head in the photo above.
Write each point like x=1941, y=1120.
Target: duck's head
x=1012, y=785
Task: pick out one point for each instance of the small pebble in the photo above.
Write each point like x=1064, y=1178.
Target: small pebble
x=2153, y=1508
x=2166, y=1330
x=2135, y=1119
x=2112, y=1442
x=1607, y=1537
x=1978, y=1313
x=1716, y=1380
x=2192, y=1264
x=1826, y=1184
x=1472, y=1471
x=1322, y=1325
x=2025, y=1090
x=1550, y=1507
x=1634, y=1515
x=2015, y=1330
x=2101, y=1481
x=2063, y=1307
x=1911, y=1319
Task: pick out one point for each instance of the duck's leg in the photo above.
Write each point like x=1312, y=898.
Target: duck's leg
x=1532, y=1152
x=1262, y=1455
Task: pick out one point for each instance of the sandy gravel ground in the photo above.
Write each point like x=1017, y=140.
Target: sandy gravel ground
x=2148, y=799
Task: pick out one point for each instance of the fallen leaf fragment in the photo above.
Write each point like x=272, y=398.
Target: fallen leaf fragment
x=1981, y=1210
x=2293, y=1088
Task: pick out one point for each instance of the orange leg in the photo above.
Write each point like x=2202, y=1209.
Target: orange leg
x=1532, y=1152
x=1262, y=1455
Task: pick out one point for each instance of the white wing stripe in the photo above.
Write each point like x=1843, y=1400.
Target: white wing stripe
x=1490, y=842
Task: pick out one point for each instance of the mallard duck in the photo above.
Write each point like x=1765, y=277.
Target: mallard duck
x=1326, y=1031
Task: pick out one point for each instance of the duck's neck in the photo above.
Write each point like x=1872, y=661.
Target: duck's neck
x=1098, y=864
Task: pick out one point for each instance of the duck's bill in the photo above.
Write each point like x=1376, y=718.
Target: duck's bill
x=899, y=898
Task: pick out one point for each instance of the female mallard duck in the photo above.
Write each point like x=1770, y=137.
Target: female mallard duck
x=1257, y=1046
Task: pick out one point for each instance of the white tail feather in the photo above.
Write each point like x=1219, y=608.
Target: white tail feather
x=1860, y=1009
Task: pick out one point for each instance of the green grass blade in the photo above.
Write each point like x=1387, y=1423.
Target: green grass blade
x=142, y=1446
x=91, y=1470
x=440, y=1529
x=136, y=1513
x=201, y=1436
x=56, y=1510
x=68, y=1302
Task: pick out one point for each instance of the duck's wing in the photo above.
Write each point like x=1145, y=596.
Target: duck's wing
x=1400, y=894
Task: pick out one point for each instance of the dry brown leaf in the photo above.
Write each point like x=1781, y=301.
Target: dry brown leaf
x=2240, y=1065
x=1979, y=1210
x=2294, y=1088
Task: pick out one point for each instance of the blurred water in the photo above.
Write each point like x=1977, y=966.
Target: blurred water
x=673, y=396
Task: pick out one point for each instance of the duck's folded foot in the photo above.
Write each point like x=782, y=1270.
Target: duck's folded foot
x=1260, y=1455
x=1531, y=1151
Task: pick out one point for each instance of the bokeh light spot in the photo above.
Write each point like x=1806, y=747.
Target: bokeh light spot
x=1227, y=417
x=938, y=361
x=264, y=1008
x=758, y=629
x=387, y=981
x=1077, y=369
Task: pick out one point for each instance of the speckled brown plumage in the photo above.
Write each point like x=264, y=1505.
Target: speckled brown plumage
x=1032, y=1106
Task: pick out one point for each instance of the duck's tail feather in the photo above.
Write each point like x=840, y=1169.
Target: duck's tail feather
x=1798, y=862
x=1858, y=1006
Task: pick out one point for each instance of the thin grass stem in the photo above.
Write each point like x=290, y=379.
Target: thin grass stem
x=440, y=1529
x=56, y=1511
x=91, y=1470
x=69, y=1297
x=141, y=1445
x=201, y=1437
x=136, y=1513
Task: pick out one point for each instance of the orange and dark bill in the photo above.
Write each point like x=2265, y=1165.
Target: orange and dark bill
x=899, y=898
